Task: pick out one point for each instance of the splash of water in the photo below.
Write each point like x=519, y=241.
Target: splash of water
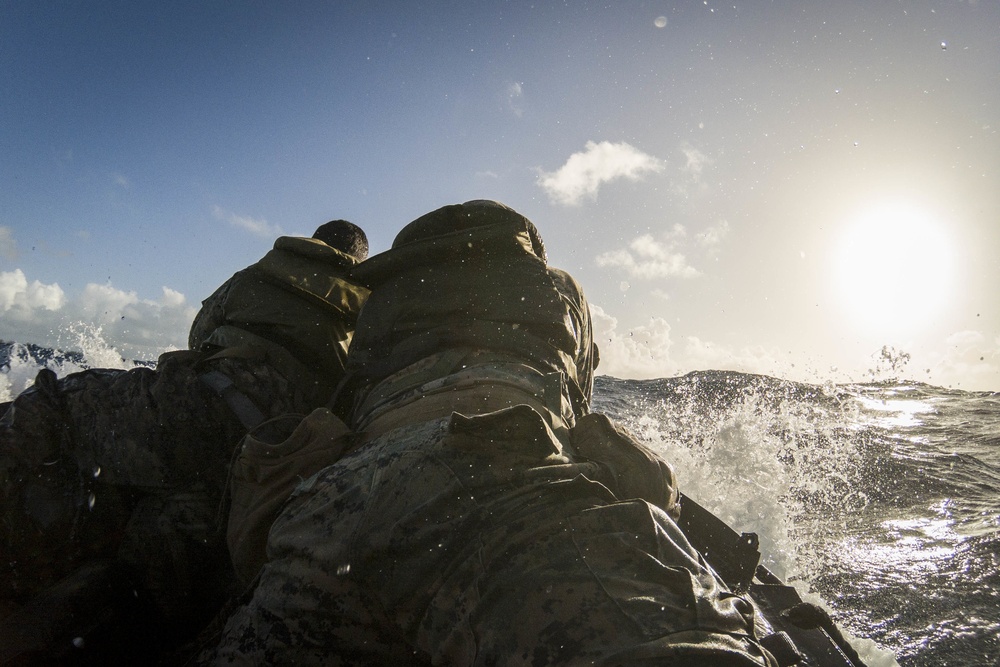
x=97, y=352
x=89, y=350
x=784, y=460
x=773, y=458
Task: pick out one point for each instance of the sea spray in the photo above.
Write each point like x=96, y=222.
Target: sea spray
x=81, y=346
x=762, y=454
x=96, y=351
x=780, y=459
x=18, y=373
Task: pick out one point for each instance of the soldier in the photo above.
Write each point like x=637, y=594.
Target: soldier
x=480, y=515
x=133, y=465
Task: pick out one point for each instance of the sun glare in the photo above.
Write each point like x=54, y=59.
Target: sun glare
x=894, y=269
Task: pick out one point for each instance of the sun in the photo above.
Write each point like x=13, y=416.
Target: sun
x=893, y=269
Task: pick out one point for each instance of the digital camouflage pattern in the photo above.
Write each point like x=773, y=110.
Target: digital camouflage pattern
x=486, y=541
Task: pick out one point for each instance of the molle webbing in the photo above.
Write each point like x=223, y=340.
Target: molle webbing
x=479, y=388
x=505, y=342
x=244, y=409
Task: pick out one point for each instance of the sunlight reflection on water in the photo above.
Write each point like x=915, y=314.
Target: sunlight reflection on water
x=898, y=413
x=912, y=547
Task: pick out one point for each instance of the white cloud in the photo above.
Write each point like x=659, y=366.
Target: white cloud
x=139, y=327
x=34, y=312
x=599, y=163
x=688, y=180
x=101, y=304
x=260, y=228
x=640, y=353
x=649, y=259
x=21, y=300
x=713, y=236
x=648, y=351
x=173, y=298
x=695, y=160
x=8, y=246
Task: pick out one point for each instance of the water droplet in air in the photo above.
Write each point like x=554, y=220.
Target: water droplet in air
x=660, y=22
x=343, y=569
x=78, y=642
x=91, y=500
x=97, y=471
x=944, y=46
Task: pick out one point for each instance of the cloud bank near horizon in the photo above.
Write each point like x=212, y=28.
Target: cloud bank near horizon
x=102, y=316
x=34, y=312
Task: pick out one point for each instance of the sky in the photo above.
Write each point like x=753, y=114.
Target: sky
x=807, y=189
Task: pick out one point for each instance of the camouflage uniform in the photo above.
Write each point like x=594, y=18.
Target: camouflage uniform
x=528, y=533
x=134, y=464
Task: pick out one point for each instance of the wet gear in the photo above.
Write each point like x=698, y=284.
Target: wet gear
x=132, y=466
x=480, y=541
x=468, y=281
x=485, y=517
x=297, y=305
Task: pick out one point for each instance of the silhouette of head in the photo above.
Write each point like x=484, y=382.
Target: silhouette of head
x=344, y=236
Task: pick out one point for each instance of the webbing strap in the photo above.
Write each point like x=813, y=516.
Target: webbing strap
x=242, y=407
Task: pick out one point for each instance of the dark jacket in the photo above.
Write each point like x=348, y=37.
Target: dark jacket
x=295, y=306
x=470, y=281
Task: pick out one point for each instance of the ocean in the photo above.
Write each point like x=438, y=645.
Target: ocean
x=880, y=501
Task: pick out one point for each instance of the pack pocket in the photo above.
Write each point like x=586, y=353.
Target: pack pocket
x=263, y=477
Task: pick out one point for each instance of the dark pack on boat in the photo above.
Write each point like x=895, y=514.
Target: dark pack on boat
x=797, y=633
x=83, y=619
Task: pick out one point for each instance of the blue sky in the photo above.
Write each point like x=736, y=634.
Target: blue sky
x=702, y=168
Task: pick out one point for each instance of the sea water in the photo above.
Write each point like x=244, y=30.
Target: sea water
x=880, y=501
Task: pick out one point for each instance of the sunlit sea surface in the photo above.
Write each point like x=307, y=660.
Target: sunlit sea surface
x=880, y=501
